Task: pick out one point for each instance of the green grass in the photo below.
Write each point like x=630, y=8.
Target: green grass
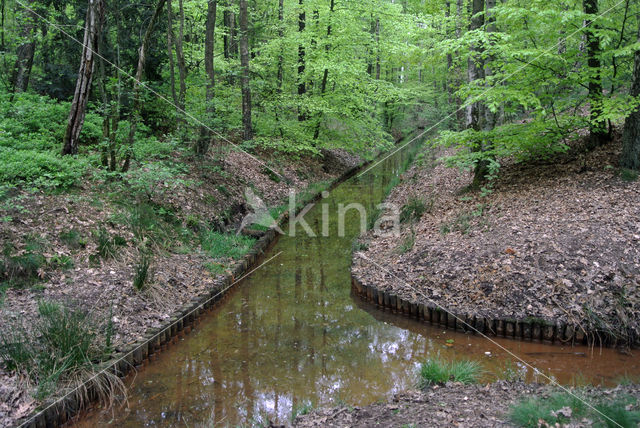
x=414, y=208
x=407, y=244
x=301, y=409
x=22, y=268
x=529, y=412
x=73, y=239
x=628, y=174
x=141, y=277
x=220, y=245
x=215, y=268
x=436, y=371
x=59, y=344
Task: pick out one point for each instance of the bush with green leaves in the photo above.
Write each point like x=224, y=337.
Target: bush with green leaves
x=58, y=347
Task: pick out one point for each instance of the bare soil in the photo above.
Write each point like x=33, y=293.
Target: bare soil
x=178, y=272
x=558, y=241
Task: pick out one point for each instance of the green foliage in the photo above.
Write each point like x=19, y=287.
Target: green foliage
x=414, y=208
x=59, y=344
x=107, y=244
x=436, y=371
x=408, y=243
x=215, y=268
x=153, y=179
x=528, y=412
x=22, y=268
x=141, y=272
x=72, y=239
x=304, y=408
x=31, y=131
x=628, y=174
x=221, y=245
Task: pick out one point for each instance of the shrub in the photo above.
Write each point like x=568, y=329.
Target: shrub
x=435, y=371
x=73, y=239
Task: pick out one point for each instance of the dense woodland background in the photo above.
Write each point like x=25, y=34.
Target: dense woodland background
x=505, y=79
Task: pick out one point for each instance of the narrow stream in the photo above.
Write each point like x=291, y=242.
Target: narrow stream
x=292, y=333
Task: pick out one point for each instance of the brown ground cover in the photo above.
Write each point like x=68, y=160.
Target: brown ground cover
x=558, y=241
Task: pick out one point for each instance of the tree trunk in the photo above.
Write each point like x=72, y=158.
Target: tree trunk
x=280, y=65
x=448, y=87
x=26, y=50
x=135, y=113
x=182, y=69
x=475, y=68
x=377, y=47
x=301, y=64
x=93, y=23
x=247, y=133
x=325, y=74
x=630, y=157
x=172, y=72
x=230, y=37
x=597, y=126
x=459, y=111
x=205, y=136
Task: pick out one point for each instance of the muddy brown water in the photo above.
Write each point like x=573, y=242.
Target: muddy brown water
x=293, y=334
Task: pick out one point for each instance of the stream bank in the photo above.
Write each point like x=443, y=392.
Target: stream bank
x=551, y=253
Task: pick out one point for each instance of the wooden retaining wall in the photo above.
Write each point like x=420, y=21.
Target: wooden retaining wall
x=531, y=329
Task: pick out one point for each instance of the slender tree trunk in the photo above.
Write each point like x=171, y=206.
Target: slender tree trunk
x=475, y=69
x=630, y=157
x=448, y=87
x=247, y=133
x=172, y=71
x=490, y=117
x=280, y=64
x=2, y=15
x=26, y=50
x=92, y=26
x=301, y=64
x=182, y=69
x=135, y=113
x=205, y=136
x=459, y=111
x=325, y=74
x=230, y=37
x=377, y=47
x=597, y=126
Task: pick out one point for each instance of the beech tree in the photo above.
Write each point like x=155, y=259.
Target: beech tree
x=631, y=134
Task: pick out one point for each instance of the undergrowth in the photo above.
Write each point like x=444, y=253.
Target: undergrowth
x=562, y=408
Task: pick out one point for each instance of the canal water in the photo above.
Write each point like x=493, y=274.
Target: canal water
x=293, y=335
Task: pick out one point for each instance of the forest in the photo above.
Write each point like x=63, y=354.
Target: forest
x=136, y=137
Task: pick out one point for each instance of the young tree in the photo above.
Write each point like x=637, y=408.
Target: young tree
x=631, y=134
x=247, y=133
x=26, y=50
x=302, y=89
x=93, y=24
x=202, y=145
x=142, y=57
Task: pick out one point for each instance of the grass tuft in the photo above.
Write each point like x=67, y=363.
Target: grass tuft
x=141, y=277
x=436, y=371
x=221, y=245
x=60, y=343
